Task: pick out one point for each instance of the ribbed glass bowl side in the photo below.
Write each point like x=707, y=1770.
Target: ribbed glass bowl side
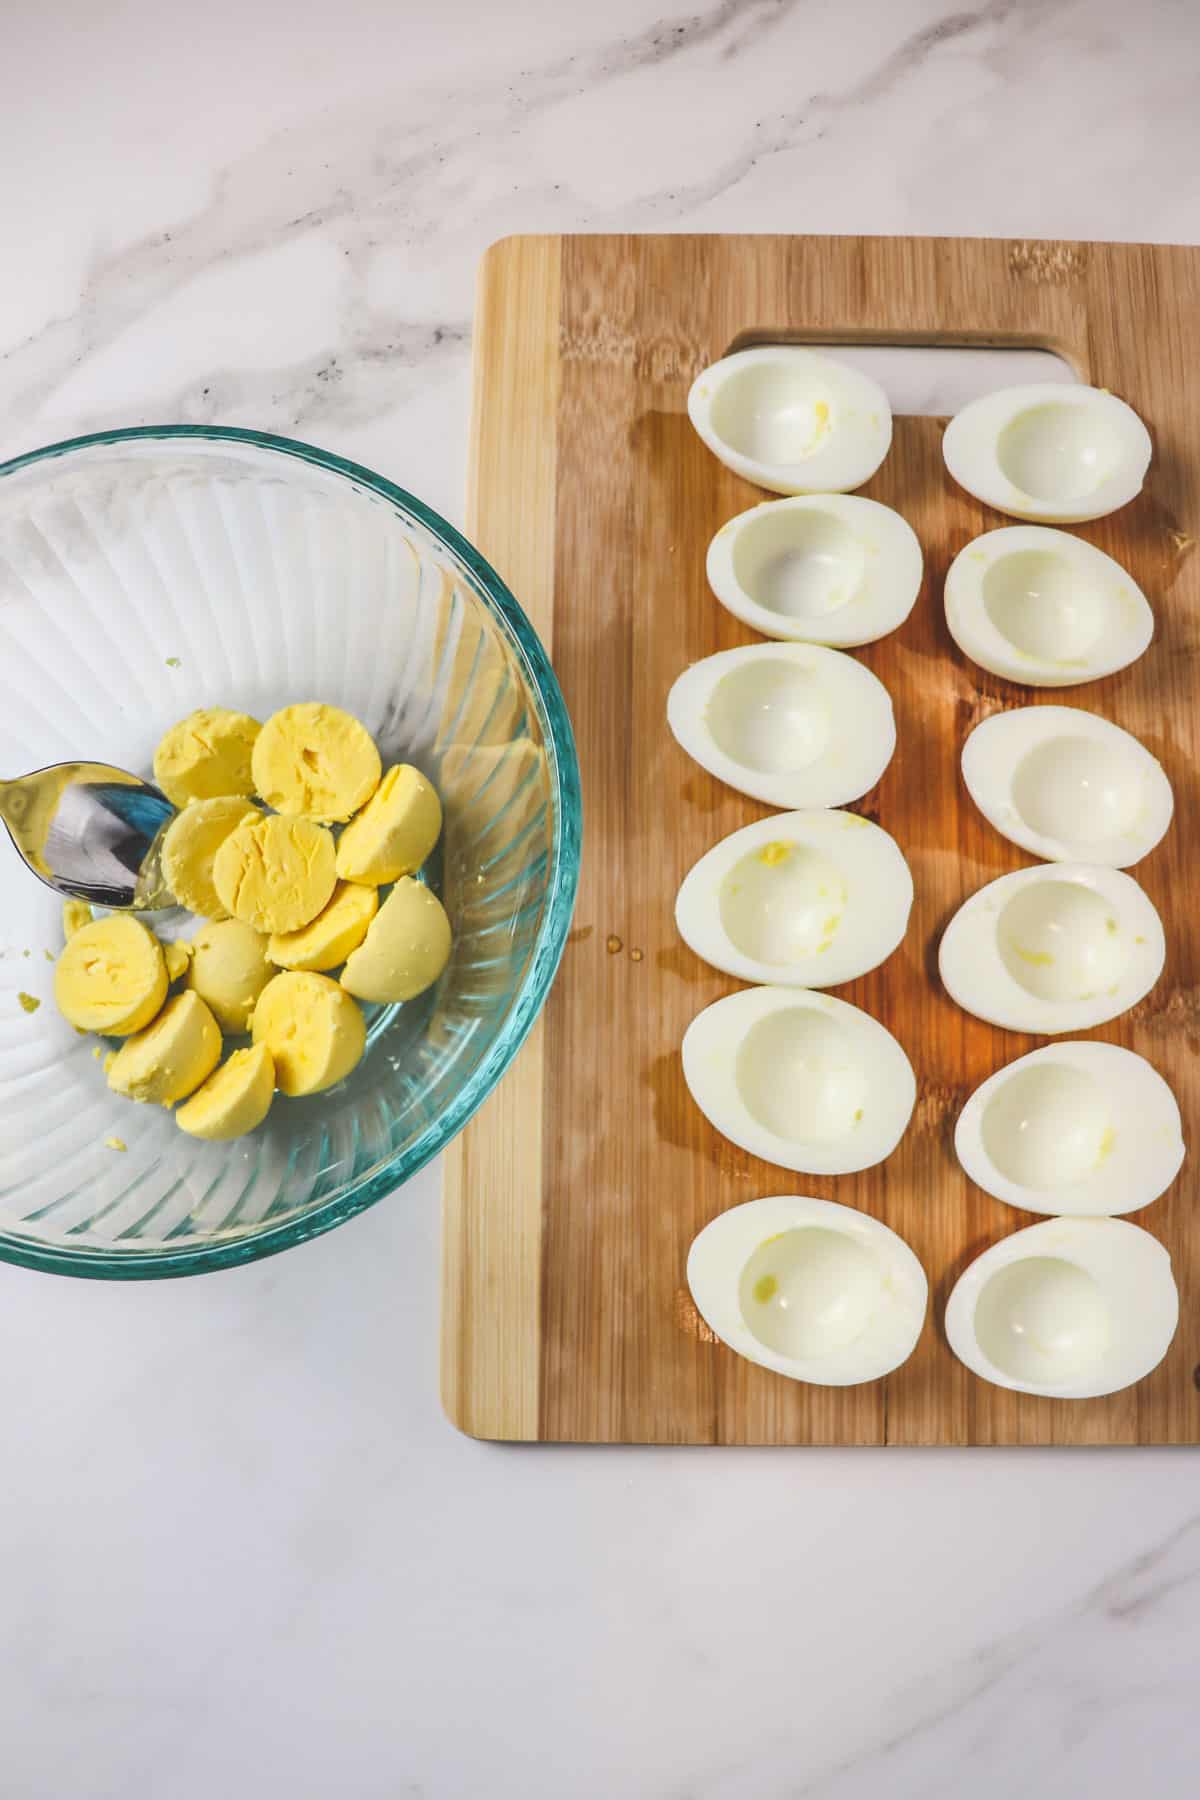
x=145, y=573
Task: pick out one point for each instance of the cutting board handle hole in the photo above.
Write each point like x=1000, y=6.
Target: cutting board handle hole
x=932, y=379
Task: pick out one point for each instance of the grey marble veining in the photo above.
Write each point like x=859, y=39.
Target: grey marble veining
x=241, y=1551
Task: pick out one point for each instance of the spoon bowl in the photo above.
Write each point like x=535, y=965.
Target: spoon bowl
x=91, y=832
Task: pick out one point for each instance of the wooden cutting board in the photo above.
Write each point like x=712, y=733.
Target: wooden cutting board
x=572, y=1198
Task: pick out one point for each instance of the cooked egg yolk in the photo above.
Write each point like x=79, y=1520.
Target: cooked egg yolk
x=395, y=831
x=275, y=873
x=190, y=845
x=177, y=957
x=171, y=1057
x=229, y=971
x=316, y=761
x=313, y=1029
x=111, y=977
x=234, y=1100
x=75, y=915
x=206, y=755
x=406, y=947
x=333, y=934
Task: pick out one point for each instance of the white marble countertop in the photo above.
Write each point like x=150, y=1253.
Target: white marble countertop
x=241, y=1552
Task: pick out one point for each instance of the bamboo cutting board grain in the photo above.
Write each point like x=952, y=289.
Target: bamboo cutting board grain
x=573, y=1196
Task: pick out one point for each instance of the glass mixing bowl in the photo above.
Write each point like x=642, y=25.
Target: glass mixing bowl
x=145, y=573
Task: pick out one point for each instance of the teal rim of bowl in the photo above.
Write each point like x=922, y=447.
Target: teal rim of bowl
x=561, y=884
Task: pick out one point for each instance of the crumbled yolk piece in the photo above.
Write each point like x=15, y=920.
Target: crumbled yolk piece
x=316, y=761
x=332, y=935
x=190, y=845
x=28, y=1002
x=774, y=854
x=115, y=1143
x=275, y=874
x=75, y=915
x=177, y=957
x=235, y=1099
x=171, y=1057
x=313, y=1029
x=111, y=977
x=406, y=947
x=207, y=756
x=395, y=831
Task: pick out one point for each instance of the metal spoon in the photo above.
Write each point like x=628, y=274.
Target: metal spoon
x=91, y=832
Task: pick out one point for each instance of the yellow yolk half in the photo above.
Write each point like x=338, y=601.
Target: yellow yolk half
x=314, y=1031
x=395, y=831
x=207, y=755
x=189, y=847
x=75, y=915
x=333, y=934
x=406, y=947
x=315, y=761
x=171, y=1057
x=235, y=1098
x=111, y=977
x=229, y=971
x=275, y=874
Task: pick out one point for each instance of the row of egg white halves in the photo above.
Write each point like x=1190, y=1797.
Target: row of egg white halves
x=1082, y=1304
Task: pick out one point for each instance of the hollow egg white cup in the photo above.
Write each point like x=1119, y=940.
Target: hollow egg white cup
x=831, y=569
x=791, y=419
x=1085, y=1129
x=1057, y=948
x=793, y=725
x=1044, y=608
x=1049, y=451
x=801, y=899
x=1069, y=1308
x=815, y=1291
x=1068, y=785
x=799, y=1079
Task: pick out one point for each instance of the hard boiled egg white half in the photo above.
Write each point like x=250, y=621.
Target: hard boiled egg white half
x=791, y=419
x=1049, y=451
x=1060, y=947
x=813, y=1290
x=1045, y=608
x=1067, y=785
x=1081, y=1128
x=823, y=569
x=791, y=724
x=799, y=1079
x=1070, y=1308
x=803, y=899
